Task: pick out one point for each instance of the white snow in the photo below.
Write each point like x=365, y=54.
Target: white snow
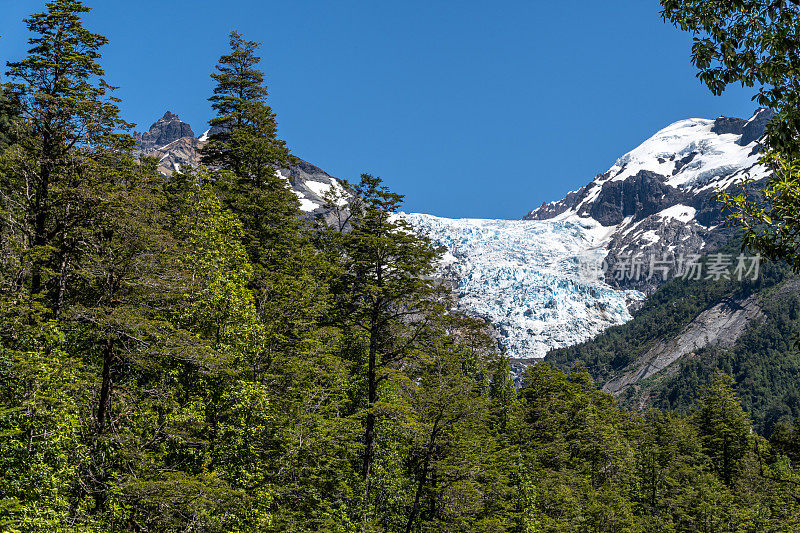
x=679, y=212
x=321, y=189
x=306, y=205
x=651, y=236
x=716, y=156
x=204, y=137
x=539, y=283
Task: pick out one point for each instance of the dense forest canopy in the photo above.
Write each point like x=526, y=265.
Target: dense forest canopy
x=190, y=354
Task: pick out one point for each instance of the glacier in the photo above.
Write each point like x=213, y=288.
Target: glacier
x=539, y=283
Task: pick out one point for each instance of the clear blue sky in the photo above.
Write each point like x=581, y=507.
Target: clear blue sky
x=470, y=109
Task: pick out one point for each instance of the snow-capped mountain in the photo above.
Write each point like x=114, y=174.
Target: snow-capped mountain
x=537, y=280
x=659, y=198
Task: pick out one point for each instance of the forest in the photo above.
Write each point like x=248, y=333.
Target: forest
x=190, y=354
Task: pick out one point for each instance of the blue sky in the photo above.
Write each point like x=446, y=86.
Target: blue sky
x=470, y=109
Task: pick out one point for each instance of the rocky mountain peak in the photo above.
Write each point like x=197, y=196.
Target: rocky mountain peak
x=169, y=128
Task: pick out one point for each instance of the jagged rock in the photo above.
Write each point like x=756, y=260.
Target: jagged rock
x=724, y=125
x=172, y=141
x=162, y=132
x=639, y=197
x=180, y=153
x=754, y=129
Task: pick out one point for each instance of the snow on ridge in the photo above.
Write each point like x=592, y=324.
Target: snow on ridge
x=679, y=212
x=538, y=282
x=321, y=189
x=708, y=156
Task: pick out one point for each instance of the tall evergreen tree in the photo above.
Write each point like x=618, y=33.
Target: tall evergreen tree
x=244, y=134
x=245, y=148
x=69, y=116
x=387, y=296
x=724, y=427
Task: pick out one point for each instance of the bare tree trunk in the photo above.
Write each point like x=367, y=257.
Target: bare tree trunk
x=62, y=285
x=372, y=398
x=39, y=216
x=104, y=403
x=424, y=474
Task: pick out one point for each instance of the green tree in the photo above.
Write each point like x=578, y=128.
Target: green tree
x=386, y=295
x=288, y=281
x=755, y=43
x=68, y=117
x=244, y=137
x=724, y=427
x=450, y=442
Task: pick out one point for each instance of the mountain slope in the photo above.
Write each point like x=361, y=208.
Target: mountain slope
x=659, y=198
x=688, y=328
x=174, y=144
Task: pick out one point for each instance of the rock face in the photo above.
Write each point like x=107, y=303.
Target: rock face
x=721, y=325
x=164, y=131
x=660, y=198
x=179, y=154
x=173, y=142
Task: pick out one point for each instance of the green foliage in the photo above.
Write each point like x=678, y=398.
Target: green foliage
x=769, y=216
x=750, y=42
x=763, y=361
x=244, y=132
x=185, y=354
x=724, y=427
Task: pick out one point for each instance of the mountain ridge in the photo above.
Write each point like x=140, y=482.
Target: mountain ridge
x=174, y=144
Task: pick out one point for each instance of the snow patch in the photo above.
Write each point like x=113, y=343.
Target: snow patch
x=306, y=205
x=679, y=212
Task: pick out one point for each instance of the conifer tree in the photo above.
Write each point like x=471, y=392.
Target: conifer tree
x=724, y=427
x=68, y=117
x=244, y=141
x=248, y=155
x=244, y=134
x=386, y=294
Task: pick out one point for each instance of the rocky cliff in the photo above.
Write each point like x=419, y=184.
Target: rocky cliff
x=174, y=144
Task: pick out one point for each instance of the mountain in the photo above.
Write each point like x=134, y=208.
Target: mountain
x=162, y=132
x=174, y=144
x=659, y=198
x=574, y=267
